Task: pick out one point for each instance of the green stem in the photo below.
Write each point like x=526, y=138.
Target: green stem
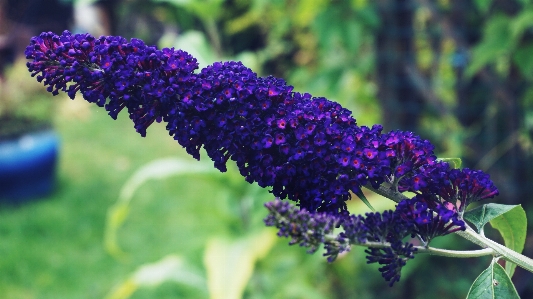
x=436, y=251
x=469, y=234
x=386, y=190
x=455, y=253
x=214, y=36
x=331, y=238
x=505, y=253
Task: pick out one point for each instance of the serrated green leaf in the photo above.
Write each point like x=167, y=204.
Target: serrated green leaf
x=454, y=162
x=512, y=226
x=485, y=213
x=493, y=283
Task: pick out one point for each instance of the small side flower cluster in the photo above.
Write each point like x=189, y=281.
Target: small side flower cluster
x=429, y=222
x=304, y=148
x=307, y=229
x=384, y=233
x=392, y=258
x=415, y=168
x=464, y=186
x=455, y=189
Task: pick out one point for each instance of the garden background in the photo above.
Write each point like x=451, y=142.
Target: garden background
x=456, y=72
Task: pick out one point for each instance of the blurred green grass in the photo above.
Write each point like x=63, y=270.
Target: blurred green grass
x=52, y=247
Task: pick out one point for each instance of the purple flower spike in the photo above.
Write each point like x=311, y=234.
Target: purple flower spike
x=258, y=122
x=304, y=148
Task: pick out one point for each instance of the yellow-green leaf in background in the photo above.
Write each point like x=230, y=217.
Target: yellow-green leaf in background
x=158, y=169
x=169, y=268
x=230, y=262
x=454, y=162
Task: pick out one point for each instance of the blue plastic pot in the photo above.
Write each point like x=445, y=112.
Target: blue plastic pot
x=28, y=166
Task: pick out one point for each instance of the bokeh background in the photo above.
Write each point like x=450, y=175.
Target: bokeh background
x=456, y=72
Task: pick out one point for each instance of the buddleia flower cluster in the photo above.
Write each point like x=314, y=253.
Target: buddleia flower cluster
x=306, y=149
x=384, y=233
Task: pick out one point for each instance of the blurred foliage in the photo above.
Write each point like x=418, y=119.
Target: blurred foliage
x=324, y=49
x=330, y=49
x=469, y=56
x=24, y=105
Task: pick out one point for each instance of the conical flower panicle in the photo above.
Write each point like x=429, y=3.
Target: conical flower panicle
x=304, y=148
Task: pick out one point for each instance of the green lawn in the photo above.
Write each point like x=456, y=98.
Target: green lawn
x=52, y=248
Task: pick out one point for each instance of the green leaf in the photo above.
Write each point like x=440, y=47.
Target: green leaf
x=207, y=9
x=454, y=162
x=523, y=59
x=512, y=226
x=230, y=263
x=361, y=195
x=195, y=43
x=158, y=169
x=485, y=213
x=116, y=215
x=521, y=23
x=496, y=43
x=493, y=283
x=169, y=268
x=305, y=14
x=483, y=5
